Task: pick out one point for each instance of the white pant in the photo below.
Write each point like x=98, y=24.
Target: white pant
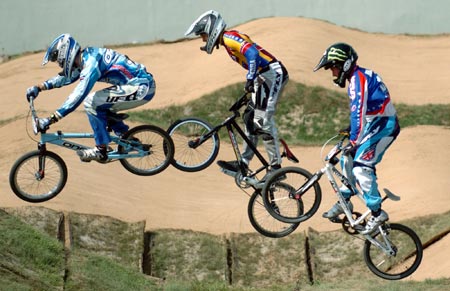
x=268, y=87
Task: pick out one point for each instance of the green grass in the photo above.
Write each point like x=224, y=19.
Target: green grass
x=431, y=114
x=305, y=115
x=89, y=271
x=178, y=254
x=28, y=258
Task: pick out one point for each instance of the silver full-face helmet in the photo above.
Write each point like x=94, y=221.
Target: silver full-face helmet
x=63, y=50
x=210, y=23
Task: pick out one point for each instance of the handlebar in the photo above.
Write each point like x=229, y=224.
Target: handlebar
x=243, y=100
x=331, y=156
x=34, y=117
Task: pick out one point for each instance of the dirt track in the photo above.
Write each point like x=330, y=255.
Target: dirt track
x=416, y=167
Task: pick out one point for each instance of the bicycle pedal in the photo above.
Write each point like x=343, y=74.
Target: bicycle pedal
x=228, y=172
x=359, y=227
x=335, y=220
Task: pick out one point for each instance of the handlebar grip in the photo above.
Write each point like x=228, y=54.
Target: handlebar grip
x=344, y=134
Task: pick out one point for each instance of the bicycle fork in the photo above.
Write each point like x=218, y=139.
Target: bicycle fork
x=385, y=245
x=40, y=174
x=305, y=187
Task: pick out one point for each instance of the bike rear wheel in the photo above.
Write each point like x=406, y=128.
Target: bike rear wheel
x=188, y=156
x=153, y=140
x=37, y=177
x=264, y=223
x=406, y=259
x=282, y=202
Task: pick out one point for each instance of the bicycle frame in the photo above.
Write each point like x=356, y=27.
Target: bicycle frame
x=61, y=139
x=331, y=172
x=231, y=125
x=391, y=251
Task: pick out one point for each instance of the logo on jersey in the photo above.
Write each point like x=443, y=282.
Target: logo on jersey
x=108, y=56
x=369, y=154
x=351, y=89
x=236, y=38
x=115, y=99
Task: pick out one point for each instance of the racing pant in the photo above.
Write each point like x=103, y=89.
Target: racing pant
x=259, y=115
x=378, y=136
x=114, y=99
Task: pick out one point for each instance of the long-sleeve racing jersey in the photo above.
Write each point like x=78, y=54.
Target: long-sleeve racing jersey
x=369, y=99
x=97, y=65
x=246, y=53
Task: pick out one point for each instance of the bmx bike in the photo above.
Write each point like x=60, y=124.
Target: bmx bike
x=197, y=145
x=40, y=175
x=392, y=251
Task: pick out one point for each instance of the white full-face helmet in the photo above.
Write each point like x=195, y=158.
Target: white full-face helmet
x=210, y=23
x=63, y=50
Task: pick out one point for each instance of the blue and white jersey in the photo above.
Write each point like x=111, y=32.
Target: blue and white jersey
x=98, y=65
x=369, y=101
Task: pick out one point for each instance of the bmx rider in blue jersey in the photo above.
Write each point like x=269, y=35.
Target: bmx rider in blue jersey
x=131, y=86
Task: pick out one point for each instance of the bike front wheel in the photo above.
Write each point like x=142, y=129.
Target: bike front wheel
x=157, y=144
x=192, y=156
x=281, y=195
x=38, y=177
x=395, y=255
x=266, y=224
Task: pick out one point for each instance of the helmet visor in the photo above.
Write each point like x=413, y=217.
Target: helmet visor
x=53, y=51
x=203, y=23
x=323, y=63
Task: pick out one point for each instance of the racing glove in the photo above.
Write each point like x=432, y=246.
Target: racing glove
x=33, y=92
x=250, y=86
x=44, y=123
x=345, y=131
x=350, y=149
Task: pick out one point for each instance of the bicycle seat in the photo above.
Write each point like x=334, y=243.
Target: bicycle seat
x=288, y=153
x=115, y=117
x=391, y=195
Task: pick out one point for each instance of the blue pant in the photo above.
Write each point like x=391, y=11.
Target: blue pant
x=378, y=136
x=115, y=98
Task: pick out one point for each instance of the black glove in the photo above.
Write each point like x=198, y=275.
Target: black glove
x=249, y=86
x=33, y=92
x=349, y=150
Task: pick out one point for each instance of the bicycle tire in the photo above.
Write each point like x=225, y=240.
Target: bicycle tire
x=190, y=159
x=161, y=150
x=30, y=185
x=409, y=253
x=280, y=201
x=263, y=222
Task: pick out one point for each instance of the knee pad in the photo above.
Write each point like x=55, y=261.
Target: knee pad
x=365, y=177
x=247, y=117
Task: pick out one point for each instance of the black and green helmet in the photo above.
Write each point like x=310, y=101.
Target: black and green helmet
x=341, y=56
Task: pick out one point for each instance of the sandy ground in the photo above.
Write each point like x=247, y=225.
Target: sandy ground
x=416, y=167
